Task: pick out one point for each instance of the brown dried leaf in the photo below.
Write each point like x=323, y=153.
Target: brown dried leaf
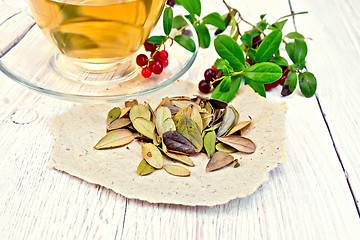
x=130, y=104
x=118, y=123
x=152, y=155
x=219, y=160
x=240, y=143
x=177, y=170
x=144, y=168
x=175, y=142
x=238, y=127
x=116, y=138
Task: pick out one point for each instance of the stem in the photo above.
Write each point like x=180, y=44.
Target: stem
x=254, y=26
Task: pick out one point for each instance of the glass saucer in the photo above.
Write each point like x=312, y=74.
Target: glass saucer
x=28, y=63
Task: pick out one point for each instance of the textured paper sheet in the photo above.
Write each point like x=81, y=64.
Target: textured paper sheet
x=78, y=130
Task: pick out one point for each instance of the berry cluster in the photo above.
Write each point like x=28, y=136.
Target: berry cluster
x=281, y=81
x=156, y=63
x=212, y=79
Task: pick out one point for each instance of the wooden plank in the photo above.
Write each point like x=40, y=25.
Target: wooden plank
x=334, y=58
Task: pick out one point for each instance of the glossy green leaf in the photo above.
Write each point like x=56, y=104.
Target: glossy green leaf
x=225, y=84
x=215, y=20
x=167, y=20
x=261, y=25
x=293, y=14
x=228, y=49
x=203, y=35
x=156, y=39
x=258, y=87
x=279, y=61
x=251, y=54
x=228, y=95
x=227, y=19
x=269, y=46
x=178, y=22
x=247, y=39
x=293, y=35
x=265, y=72
x=308, y=84
x=186, y=42
x=278, y=25
x=289, y=84
x=192, y=6
x=300, y=51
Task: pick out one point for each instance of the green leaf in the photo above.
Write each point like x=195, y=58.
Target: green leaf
x=289, y=84
x=290, y=49
x=308, y=83
x=261, y=25
x=203, y=35
x=186, y=42
x=156, y=39
x=300, y=51
x=247, y=39
x=227, y=96
x=223, y=64
x=293, y=35
x=178, y=22
x=269, y=46
x=167, y=20
x=227, y=20
x=258, y=87
x=265, y=72
x=192, y=6
x=262, y=16
x=228, y=49
x=278, y=25
x=226, y=83
x=251, y=54
x=215, y=20
x=290, y=15
x=279, y=61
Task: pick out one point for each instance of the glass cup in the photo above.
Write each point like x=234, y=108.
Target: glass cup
x=96, y=36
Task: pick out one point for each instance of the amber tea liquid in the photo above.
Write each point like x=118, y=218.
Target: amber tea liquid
x=97, y=31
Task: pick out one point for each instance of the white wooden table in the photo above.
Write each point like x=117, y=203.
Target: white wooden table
x=315, y=195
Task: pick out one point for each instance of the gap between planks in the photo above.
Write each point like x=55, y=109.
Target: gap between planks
x=330, y=133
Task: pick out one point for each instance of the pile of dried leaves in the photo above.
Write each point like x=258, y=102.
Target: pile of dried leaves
x=177, y=128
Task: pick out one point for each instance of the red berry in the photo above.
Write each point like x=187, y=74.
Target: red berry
x=146, y=72
x=171, y=3
x=155, y=56
x=209, y=74
x=216, y=70
x=149, y=46
x=163, y=55
x=275, y=84
x=204, y=86
x=267, y=86
x=284, y=76
x=250, y=62
x=165, y=62
x=141, y=60
x=157, y=67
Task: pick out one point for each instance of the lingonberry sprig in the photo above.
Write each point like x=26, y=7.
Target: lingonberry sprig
x=252, y=57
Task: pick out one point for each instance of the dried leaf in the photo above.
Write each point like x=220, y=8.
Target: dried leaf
x=152, y=155
x=172, y=108
x=178, y=115
x=116, y=138
x=206, y=118
x=165, y=100
x=218, y=103
x=231, y=117
x=144, y=127
x=177, y=170
x=189, y=130
x=209, y=142
x=144, y=168
x=196, y=117
x=139, y=111
x=118, y=123
x=219, y=160
x=238, y=127
x=241, y=144
x=124, y=111
x=180, y=158
x=175, y=142
x=130, y=104
x=113, y=115
x=237, y=164
x=152, y=114
x=184, y=103
x=164, y=121
x=224, y=148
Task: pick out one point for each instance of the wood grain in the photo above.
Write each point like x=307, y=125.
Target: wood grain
x=306, y=198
